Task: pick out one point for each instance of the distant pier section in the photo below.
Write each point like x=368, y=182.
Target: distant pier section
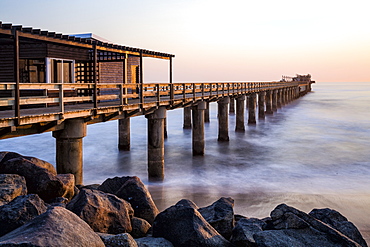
x=61, y=83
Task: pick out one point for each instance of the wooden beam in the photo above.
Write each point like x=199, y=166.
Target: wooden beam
x=17, y=106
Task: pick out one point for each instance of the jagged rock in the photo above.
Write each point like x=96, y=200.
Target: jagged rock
x=153, y=242
x=296, y=228
x=119, y=240
x=19, y=211
x=69, y=183
x=242, y=234
x=11, y=186
x=339, y=222
x=89, y=186
x=132, y=190
x=42, y=163
x=5, y=156
x=140, y=227
x=56, y=227
x=38, y=179
x=185, y=226
x=220, y=215
x=187, y=203
x=104, y=212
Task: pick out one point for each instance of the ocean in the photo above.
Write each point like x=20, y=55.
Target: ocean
x=312, y=153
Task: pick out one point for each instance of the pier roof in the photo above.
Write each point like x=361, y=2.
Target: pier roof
x=75, y=40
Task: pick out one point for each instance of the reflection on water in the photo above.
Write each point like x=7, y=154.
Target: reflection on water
x=313, y=152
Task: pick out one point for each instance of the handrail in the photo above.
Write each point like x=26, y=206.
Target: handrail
x=119, y=94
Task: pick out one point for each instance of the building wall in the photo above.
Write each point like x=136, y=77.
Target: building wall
x=111, y=72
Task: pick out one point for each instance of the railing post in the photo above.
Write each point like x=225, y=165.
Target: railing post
x=141, y=80
x=17, y=107
x=159, y=94
x=61, y=99
x=184, y=92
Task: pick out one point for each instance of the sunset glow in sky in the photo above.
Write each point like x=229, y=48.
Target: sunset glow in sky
x=213, y=40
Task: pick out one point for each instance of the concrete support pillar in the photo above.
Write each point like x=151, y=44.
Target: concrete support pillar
x=187, y=118
x=69, y=150
x=124, y=134
x=240, y=114
x=261, y=105
x=223, y=119
x=282, y=97
x=252, y=108
x=156, y=144
x=165, y=128
x=206, y=113
x=269, y=102
x=274, y=100
x=232, y=106
x=198, y=128
x=278, y=94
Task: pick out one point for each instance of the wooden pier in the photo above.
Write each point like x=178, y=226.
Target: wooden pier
x=69, y=82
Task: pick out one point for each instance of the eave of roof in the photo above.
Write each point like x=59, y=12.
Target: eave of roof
x=29, y=32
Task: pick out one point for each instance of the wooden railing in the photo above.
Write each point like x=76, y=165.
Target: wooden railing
x=41, y=95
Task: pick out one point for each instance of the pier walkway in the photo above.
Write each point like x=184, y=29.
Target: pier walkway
x=66, y=109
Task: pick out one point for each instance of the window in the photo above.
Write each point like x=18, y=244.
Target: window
x=60, y=70
x=32, y=70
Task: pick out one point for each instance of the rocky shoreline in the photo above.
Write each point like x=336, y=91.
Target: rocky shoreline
x=39, y=207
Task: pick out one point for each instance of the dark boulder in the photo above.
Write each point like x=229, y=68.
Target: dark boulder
x=38, y=179
x=187, y=203
x=185, y=226
x=119, y=240
x=134, y=191
x=19, y=211
x=5, y=156
x=11, y=186
x=153, y=242
x=242, y=234
x=140, y=227
x=220, y=215
x=338, y=221
x=68, y=181
x=56, y=227
x=292, y=227
x=103, y=212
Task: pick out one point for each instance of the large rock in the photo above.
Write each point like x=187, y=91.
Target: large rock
x=19, y=211
x=56, y=227
x=220, y=215
x=119, y=240
x=339, y=222
x=140, y=227
x=296, y=228
x=185, y=226
x=242, y=234
x=5, y=156
x=69, y=184
x=132, y=190
x=104, y=212
x=38, y=179
x=11, y=186
x=153, y=242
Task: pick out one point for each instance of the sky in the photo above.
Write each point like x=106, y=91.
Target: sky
x=214, y=40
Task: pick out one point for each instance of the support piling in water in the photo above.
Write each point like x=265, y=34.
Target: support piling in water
x=69, y=149
x=223, y=119
x=156, y=144
x=124, y=134
x=252, y=108
x=240, y=101
x=198, y=128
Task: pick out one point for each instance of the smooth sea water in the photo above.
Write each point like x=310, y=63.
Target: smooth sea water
x=311, y=153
